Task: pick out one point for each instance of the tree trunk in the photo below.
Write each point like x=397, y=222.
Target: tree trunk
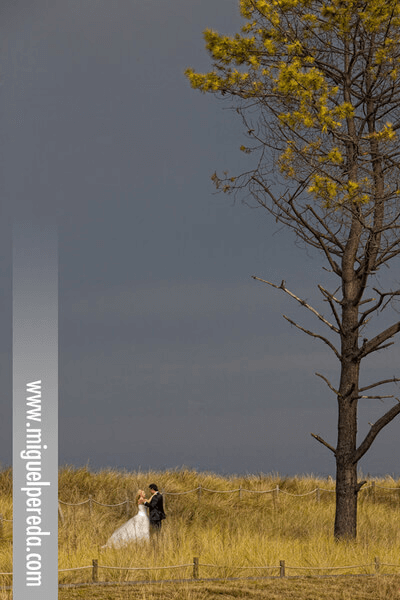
x=346, y=473
x=346, y=467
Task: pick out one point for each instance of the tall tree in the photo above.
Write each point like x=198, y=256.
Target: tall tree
x=317, y=86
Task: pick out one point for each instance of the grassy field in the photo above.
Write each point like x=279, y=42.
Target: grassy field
x=231, y=533
x=372, y=588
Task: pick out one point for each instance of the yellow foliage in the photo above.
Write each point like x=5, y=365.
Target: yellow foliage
x=283, y=59
x=334, y=156
x=270, y=46
x=386, y=133
x=325, y=188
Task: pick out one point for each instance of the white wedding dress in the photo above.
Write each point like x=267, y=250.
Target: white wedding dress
x=135, y=530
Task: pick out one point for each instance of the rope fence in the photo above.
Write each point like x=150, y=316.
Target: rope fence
x=317, y=491
x=196, y=564
x=200, y=489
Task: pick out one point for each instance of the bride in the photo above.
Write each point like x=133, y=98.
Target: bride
x=136, y=529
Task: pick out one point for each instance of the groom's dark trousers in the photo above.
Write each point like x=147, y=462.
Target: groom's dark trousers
x=156, y=511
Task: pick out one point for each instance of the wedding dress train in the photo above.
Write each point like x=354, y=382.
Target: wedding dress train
x=136, y=529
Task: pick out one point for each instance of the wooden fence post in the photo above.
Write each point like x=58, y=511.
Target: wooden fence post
x=199, y=493
x=240, y=493
x=90, y=504
x=318, y=495
x=60, y=514
x=196, y=567
x=95, y=570
x=373, y=492
x=282, y=568
x=275, y=494
x=377, y=565
x=1, y=526
x=127, y=503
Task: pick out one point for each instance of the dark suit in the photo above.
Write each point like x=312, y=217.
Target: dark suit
x=156, y=510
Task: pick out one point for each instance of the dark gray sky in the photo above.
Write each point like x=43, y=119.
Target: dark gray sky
x=170, y=354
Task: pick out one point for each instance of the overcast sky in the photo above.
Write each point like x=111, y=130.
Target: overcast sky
x=170, y=354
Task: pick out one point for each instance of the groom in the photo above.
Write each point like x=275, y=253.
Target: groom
x=156, y=508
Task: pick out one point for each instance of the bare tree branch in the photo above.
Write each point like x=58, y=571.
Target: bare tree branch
x=391, y=296
x=294, y=219
x=375, y=429
x=328, y=383
x=375, y=343
x=378, y=383
x=376, y=306
x=388, y=256
x=330, y=298
x=299, y=300
x=359, y=485
x=319, y=439
x=366, y=301
x=374, y=397
x=316, y=335
x=328, y=231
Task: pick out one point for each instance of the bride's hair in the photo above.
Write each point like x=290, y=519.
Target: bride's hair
x=138, y=496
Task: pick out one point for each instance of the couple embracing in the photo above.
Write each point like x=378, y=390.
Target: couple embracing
x=142, y=525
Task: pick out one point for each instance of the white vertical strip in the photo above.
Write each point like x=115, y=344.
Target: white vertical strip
x=35, y=411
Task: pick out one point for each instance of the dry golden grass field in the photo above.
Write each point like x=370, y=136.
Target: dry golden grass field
x=234, y=534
